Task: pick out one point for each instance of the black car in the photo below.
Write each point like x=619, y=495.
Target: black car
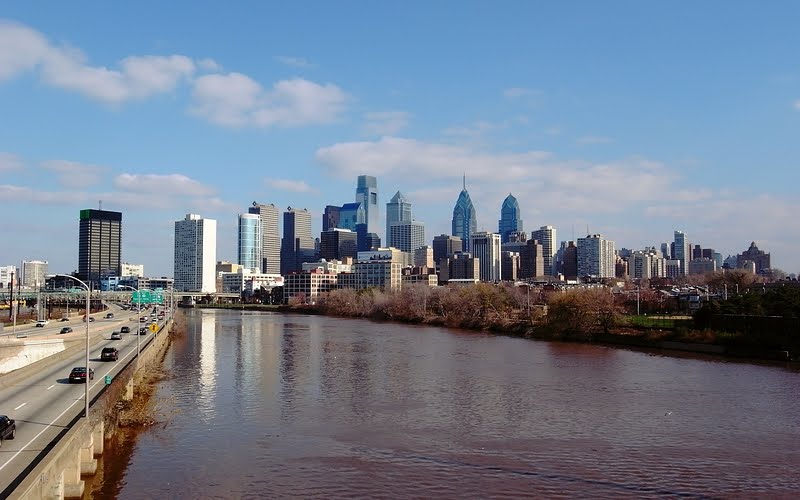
x=64, y=319
x=78, y=374
x=109, y=354
x=109, y=315
x=66, y=329
x=125, y=329
x=8, y=428
x=143, y=330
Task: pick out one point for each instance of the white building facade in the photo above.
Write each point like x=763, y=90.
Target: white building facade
x=487, y=248
x=195, y=254
x=596, y=257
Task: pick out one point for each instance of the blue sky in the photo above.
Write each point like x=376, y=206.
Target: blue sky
x=631, y=119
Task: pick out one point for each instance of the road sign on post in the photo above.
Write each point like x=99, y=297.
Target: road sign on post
x=142, y=297
x=154, y=327
x=108, y=379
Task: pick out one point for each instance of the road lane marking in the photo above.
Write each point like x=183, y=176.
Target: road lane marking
x=20, y=406
x=50, y=387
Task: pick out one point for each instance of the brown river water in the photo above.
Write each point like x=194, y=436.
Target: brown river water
x=262, y=405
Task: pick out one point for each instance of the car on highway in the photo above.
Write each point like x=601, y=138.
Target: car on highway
x=66, y=329
x=41, y=323
x=143, y=319
x=109, y=354
x=115, y=335
x=64, y=319
x=125, y=329
x=78, y=374
x=8, y=428
x=143, y=330
x=90, y=319
x=109, y=315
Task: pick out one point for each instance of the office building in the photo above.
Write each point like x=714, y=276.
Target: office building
x=331, y=217
x=596, y=257
x=33, y=273
x=459, y=266
x=367, y=194
x=270, y=237
x=546, y=235
x=444, y=246
x=486, y=247
x=509, y=264
x=465, y=222
x=99, y=245
x=397, y=210
x=338, y=244
x=250, y=242
x=531, y=259
x=760, y=258
x=195, y=254
x=681, y=251
x=510, y=221
x=407, y=236
x=570, y=261
x=297, y=245
x=351, y=215
x=423, y=257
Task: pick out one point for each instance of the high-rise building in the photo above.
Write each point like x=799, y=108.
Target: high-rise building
x=338, y=244
x=531, y=258
x=465, y=223
x=195, y=254
x=367, y=193
x=570, y=261
x=510, y=221
x=270, y=237
x=486, y=247
x=351, y=215
x=397, y=210
x=331, y=216
x=250, y=242
x=596, y=257
x=681, y=251
x=423, y=256
x=509, y=265
x=444, y=246
x=407, y=236
x=459, y=266
x=297, y=245
x=99, y=245
x=546, y=235
x=760, y=258
x=33, y=272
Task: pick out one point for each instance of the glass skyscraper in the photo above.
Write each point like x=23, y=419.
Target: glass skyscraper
x=367, y=193
x=397, y=210
x=464, y=221
x=509, y=218
x=250, y=241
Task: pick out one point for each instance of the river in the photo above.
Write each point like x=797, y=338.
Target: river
x=262, y=405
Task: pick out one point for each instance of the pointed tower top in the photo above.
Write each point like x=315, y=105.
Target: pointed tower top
x=465, y=181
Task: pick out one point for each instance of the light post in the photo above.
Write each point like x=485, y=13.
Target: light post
x=88, y=304
x=138, y=320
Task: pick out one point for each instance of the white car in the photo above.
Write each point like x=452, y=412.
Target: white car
x=42, y=322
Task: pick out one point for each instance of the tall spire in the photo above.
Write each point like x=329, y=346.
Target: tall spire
x=465, y=181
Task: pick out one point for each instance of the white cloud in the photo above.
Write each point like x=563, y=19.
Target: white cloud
x=290, y=185
x=593, y=139
x=73, y=174
x=169, y=185
x=236, y=100
x=210, y=65
x=385, y=122
x=9, y=162
x=26, y=195
x=24, y=49
x=295, y=62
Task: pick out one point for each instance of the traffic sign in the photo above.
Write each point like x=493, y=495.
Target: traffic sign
x=142, y=297
x=108, y=379
x=154, y=327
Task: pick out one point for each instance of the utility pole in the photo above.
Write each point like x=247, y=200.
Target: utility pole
x=11, y=297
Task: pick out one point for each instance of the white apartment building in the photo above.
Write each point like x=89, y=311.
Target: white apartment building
x=487, y=248
x=596, y=257
x=546, y=235
x=195, y=254
x=33, y=273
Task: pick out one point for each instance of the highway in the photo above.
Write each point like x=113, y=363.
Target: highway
x=45, y=403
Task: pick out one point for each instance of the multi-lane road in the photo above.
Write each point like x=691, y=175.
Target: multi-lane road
x=45, y=403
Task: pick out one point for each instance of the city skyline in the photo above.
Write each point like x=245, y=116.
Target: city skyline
x=633, y=137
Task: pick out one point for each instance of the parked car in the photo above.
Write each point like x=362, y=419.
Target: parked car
x=66, y=329
x=125, y=329
x=41, y=323
x=78, y=374
x=115, y=335
x=109, y=315
x=109, y=354
x=8, y=428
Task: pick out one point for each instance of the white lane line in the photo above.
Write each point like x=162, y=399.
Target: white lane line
x=50, y=387
x=20, y=406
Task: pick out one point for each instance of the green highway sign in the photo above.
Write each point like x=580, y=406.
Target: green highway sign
x=142, y=297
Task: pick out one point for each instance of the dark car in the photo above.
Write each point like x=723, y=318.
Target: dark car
x=143, y=330
x=8, y=428
x=125, y=329
x=64, y=319
x=78, y=374
x=109, y=354
x=66, y=329
x=109, y=315
x=90, y=319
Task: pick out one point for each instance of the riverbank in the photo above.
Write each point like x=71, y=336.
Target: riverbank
x=660, y=339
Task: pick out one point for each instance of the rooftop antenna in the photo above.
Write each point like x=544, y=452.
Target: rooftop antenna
x=100, y=203
x=465, y=181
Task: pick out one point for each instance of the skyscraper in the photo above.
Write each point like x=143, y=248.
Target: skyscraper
x=596, y=257
x=397, y=210
x=367, y=193
x=330, y=218
x=546, y=235
x=486, y=247
x=351, y=215
x=509, y=218
x=444, y=246
x=99, y=245
x=33, y=272
x=338, y=244
x=681, y=251
x=407, y=236
x=464, y=221
x=270, y=237
x=297, y=245
x=195, y=254
x=250, y=241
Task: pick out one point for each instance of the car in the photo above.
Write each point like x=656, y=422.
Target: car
x=115, y=335
x=143, y=319
x=78, y=374
x=109, y=315
x=64, y=319
x=90, y=319
x=143, y=330
x=125, y=329
x=109, y=354
x=66, y=329
x=41, y=323
x=8, y=428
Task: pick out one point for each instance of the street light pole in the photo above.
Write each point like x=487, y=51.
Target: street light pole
x=88, y=305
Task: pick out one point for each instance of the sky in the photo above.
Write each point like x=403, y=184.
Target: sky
x=624, y=118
